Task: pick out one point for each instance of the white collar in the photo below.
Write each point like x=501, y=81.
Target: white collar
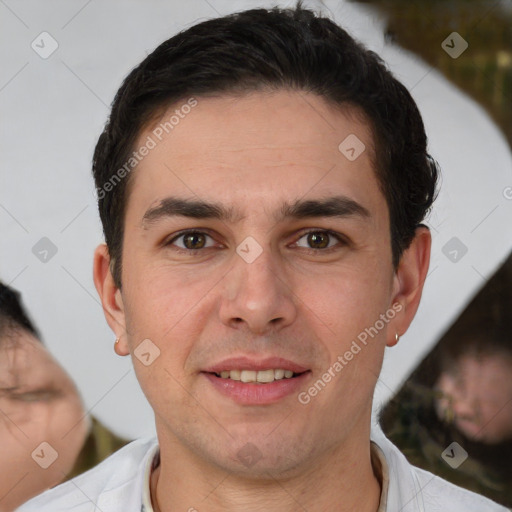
x=154, y=457
x=151, y=464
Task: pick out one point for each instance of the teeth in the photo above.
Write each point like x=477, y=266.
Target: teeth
x=248, y=376
x=234, y=374
x=262, y=376
x=265, y=376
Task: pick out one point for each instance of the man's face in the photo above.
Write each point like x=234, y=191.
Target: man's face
x=38, y=404
x=278, y=278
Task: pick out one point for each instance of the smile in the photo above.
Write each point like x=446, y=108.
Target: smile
x=262, y=376
x=264, y=387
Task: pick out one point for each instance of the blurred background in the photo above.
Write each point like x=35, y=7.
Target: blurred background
x=485, y=72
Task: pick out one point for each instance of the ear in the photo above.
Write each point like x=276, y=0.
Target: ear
x=408, y=283
x=111, y=298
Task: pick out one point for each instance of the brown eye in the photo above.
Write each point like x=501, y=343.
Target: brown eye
x=318, y=240
x=322, y=241
x=194, y=240
x=191, y=240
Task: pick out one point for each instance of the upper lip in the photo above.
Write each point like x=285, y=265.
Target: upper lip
x=248, y=363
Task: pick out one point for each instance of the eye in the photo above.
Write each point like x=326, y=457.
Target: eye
x=191, y=240
x=40, y=395
x=319, y=239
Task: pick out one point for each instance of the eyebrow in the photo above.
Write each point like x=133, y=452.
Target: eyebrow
x=174, y=207
x=336, y=206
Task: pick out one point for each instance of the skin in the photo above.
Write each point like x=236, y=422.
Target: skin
x=295, y=301
x=38, y=403
x=478, y=390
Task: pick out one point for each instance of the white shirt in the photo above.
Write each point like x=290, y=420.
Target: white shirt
x=121, y=484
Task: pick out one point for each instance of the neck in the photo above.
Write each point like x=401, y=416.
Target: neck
x=342, y=480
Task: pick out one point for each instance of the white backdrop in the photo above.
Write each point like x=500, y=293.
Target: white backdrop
x=52, y=110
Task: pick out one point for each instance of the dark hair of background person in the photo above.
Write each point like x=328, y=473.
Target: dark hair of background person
x=12, y=313
x=269, y=50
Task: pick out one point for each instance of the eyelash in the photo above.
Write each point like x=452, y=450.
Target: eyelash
x=341, y=239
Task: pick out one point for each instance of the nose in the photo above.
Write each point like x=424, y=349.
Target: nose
x=258, y=295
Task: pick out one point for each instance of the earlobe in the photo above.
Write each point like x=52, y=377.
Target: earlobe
x=394, y=340
x=111, y=298
x=121, y=349
x=409, y=280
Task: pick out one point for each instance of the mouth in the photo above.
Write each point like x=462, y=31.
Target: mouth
x=257, y=376
x=246, y=381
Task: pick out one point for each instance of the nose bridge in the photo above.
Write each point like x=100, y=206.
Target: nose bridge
x=258, y=282
x=256, y=290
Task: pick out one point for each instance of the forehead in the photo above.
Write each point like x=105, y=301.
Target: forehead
x=256, y=148
x=21, y=353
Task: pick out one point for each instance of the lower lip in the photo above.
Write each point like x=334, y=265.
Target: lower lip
x=257, y=394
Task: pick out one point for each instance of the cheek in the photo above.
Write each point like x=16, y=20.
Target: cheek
x=161, y=297
x=496, y=424
x=167, y=308
x=15, y=414
x=494, y=405
x=50, y=421
x=348, y=302
x=344, y=311
x=14, y=446
x=38, y=422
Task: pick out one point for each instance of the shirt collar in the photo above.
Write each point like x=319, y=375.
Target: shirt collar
x=152, y=463
x=382, y=471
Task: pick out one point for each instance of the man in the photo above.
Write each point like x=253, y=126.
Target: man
x=45, y=433
x=261, y=183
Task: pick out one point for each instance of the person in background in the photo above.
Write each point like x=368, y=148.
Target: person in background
x=462, y=392
x=46, y=435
